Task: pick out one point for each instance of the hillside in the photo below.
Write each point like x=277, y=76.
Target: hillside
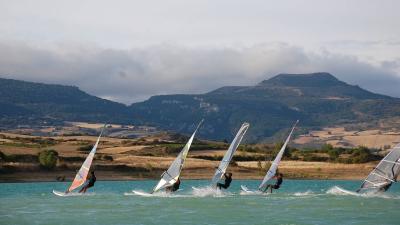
x=34, y=103
x=319, y=100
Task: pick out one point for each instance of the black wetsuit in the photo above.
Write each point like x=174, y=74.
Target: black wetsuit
x=92, y=180
x=227, y=183
x=176, y=185
x=385, y=187
x=278, y=183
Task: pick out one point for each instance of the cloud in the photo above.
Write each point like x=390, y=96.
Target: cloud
x=133, y=75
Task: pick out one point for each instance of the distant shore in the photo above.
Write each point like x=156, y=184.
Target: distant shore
x=291, y=170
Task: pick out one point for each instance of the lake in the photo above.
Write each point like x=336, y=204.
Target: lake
x=112, y=202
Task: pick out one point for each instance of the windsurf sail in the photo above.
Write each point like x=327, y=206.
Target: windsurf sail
x=385, y=173
x=223, y=165
x=170, y=176
x=81, y=176
x=274, y=166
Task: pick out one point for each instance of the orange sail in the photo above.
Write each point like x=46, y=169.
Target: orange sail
x=81, y=176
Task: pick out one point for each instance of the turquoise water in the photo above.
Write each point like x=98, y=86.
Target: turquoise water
x=110, y=202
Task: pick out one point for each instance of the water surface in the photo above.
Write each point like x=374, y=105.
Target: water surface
x=111, y=202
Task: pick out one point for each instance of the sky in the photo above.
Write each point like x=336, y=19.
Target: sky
x=129, y=50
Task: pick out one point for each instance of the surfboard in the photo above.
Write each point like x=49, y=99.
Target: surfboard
x=59, y=193
x=63, y=194
x=245, y=190
x=344, y=191
x=196, y=189
x=141, y=193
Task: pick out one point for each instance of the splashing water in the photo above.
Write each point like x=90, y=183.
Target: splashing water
x=300, y=201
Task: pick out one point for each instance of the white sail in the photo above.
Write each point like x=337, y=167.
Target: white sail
x=229, y=154
x=81, y=176
x=385, y=172
x=274, y=166
x=170, y=176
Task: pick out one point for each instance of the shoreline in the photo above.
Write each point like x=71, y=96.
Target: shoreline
x=35, y=176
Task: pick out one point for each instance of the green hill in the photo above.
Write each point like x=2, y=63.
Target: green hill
x=26, y=102
x=317, y=99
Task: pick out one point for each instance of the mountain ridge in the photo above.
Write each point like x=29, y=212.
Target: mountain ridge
x=272, y=105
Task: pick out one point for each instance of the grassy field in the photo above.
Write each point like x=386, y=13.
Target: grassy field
x=148, y=157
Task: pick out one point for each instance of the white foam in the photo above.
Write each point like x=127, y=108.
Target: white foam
x=209, y=191
x=306, y=193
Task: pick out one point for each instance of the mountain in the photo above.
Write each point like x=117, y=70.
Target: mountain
x=24, y=102
x=271, y=106
x=317, y=99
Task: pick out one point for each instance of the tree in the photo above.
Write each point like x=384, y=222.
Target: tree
x=362, y=155
x=333, y=154
x=48, y=159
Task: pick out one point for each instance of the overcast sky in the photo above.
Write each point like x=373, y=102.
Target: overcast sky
x=129, y=50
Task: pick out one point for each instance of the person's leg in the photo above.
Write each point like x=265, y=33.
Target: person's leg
x=83, y=188
x=219, y=185
x=266, y=188
x=88, y=186
x=270, y=188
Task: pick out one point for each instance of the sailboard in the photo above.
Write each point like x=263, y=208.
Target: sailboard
x=220, y=171
x=244, y=190
x=384, y=174
x=171, y=175
x=81, y=176
x=142, y=193
x=345, y=191
x=274, y=166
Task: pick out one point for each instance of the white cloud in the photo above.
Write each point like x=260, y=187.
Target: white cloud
x=135, y=74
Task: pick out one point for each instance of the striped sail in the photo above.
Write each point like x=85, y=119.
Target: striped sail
x=81, y=176
x=385, y=172
x=170, y=176
x=229, y=154
x=274, y=166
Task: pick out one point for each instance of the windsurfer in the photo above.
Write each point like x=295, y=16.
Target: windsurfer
x=227, y=183
x=90, y=184
x=386, y=186
x=174, y=187
x=277, y=185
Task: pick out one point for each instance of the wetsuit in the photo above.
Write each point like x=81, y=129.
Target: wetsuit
x=91, y=182
x=176, y=185
x=227, y=183
x=278, y=183
x=385, y=187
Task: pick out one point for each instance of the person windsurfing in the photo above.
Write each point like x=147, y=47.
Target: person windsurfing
x=386, y=186
x=90, y=184
x=277, y=185
x=227, y=183
x=174, y=187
